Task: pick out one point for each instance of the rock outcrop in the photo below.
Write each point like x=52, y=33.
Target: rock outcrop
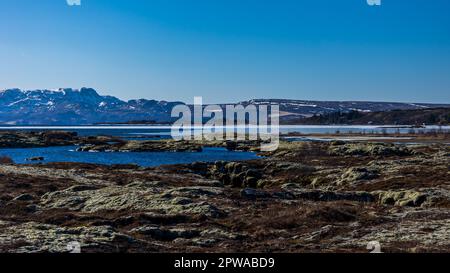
x=138, y=196
x=368, y=149
x=144, y=146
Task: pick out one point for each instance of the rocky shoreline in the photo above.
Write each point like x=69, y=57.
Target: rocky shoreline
x=18, y=139
x=304, y=197
x=169, y=146
x=32, y=139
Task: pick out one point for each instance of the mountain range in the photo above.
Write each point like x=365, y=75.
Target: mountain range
x=67, y=106
x=76, y=107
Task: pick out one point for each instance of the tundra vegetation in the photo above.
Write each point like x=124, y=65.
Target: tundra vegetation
x=304, y=197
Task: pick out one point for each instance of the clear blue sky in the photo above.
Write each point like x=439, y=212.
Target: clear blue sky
x=229, y=50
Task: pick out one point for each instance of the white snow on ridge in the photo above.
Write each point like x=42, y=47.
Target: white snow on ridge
x=421, y=106
x=17, y=102
x=361, y=110
x=293, y=104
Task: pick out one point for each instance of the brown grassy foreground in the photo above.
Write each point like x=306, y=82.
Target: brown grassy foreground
x=305, y=197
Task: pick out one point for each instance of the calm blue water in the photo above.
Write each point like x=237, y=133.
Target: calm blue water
x=68, y=154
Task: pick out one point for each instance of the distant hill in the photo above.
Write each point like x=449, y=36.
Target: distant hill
x=86, y=107
x=434, y=116
x=304, y=108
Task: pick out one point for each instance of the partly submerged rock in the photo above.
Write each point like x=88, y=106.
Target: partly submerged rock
x=37, y=158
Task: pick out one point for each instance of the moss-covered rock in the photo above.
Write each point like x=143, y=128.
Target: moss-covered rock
x=411, y=198
x=357, y=174
x=138, y=196
x=369, y=149
x=402, y=198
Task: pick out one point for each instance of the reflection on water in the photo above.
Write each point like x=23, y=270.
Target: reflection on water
x=68, y=154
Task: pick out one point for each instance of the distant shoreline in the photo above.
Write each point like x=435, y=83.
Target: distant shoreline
x=168, y=126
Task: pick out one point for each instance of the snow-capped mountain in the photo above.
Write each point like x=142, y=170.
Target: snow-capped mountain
x=85, y=107
x=76, y=107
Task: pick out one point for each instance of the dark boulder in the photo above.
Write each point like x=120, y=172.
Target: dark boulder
x=37, y=158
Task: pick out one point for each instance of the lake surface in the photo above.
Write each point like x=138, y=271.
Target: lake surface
x=69, y=154
x=163, y=132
